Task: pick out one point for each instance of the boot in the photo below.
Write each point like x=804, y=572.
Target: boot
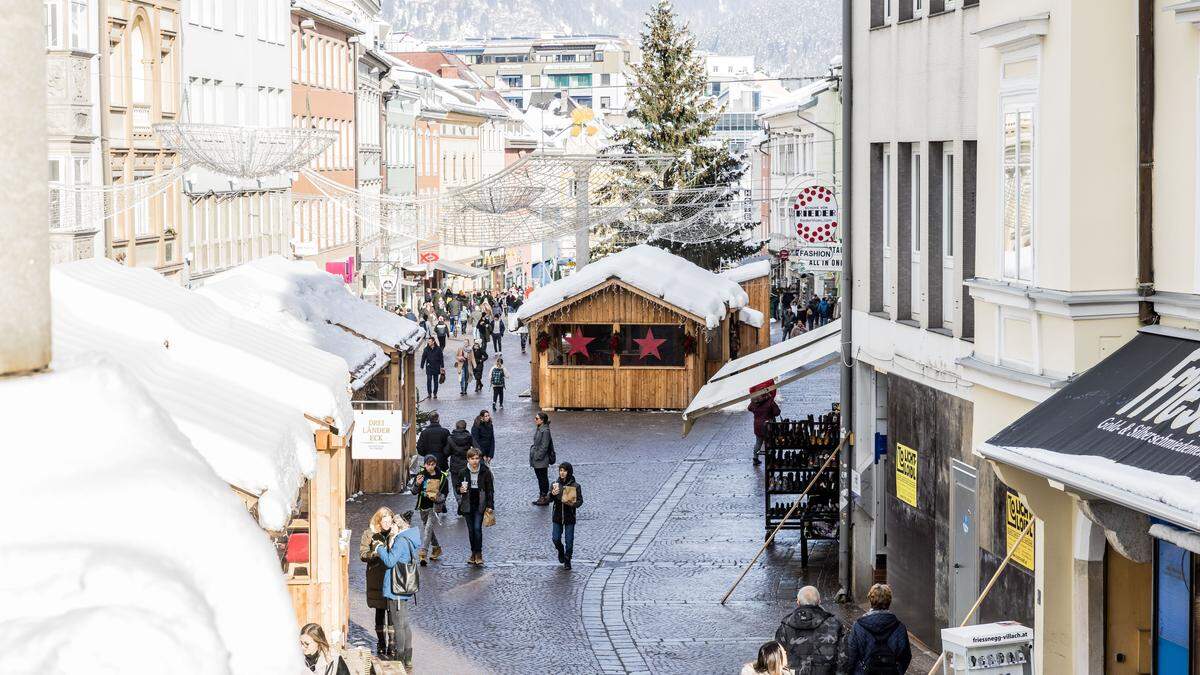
x=381, y=643
x=471, y=560
x=479, y=558
x=421, y=557
x=567, y=564
x=406, y=658
x=437, y=553
x=542, y=500
x=562, y=555
x=390, y=637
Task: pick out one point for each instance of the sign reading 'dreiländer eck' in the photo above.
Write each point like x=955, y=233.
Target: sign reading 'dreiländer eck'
x=1016, y=517
x=818, y=257
x=378, y=434
x=906, y=474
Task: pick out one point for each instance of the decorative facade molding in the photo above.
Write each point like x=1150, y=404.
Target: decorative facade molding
x=1017, y=34
x=1075, y=305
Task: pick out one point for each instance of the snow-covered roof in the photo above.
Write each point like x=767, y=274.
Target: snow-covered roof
x=800, y=98
x=652, y=270
x=312, y=295
x=138, y=303
x=125, y=538
x=751, y=317
x=754, y=270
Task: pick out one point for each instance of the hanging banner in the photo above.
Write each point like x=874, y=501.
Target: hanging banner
x=378, y=434
x=815, y=211
x=1016, y=517
x=906, y=474
x=818, y=257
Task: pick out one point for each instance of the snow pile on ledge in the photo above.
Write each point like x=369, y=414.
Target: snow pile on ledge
x=751, y=317
x=121, y=550
x=754, y=270
x=312, y=295
x=651, y=270
x=139, y=304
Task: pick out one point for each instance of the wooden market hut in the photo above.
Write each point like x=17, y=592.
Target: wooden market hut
x=639, y=329
x=754, y=329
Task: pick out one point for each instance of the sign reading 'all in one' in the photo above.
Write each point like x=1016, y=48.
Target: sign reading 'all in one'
x=906, y=474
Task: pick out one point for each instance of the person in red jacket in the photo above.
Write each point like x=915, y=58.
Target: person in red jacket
x=765, y=409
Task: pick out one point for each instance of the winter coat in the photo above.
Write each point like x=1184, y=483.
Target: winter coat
x=564, y=514
x=457, y=446
x=433, y=360
x=812, y=638
x=764, y=409
x=481, y=357
x=434, y=440
x=487, y=489
x=497, y=326
x=399, y=552
x=484, y=434
x=876, y=625
x=376, y=570
x=465, y=359
x=539, y=451
x=418, y=489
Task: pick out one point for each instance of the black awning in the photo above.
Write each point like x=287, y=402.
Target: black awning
x=1122, y=429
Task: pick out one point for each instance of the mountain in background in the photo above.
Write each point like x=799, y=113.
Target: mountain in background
x=787, y=37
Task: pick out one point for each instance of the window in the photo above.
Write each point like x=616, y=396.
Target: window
x=53, y=24
x=581, y=345
x=239, y=17
x=915, y=200
x=605, y=102
x=1017, y=229
x=605, y=79
x=139, y=68
x=513, y=81
x=571, y=80
x=660, y=345
x=598, y=56
x=79, y=24
x=948, y=205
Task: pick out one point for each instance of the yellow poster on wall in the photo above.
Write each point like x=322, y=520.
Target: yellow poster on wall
x=906, y=474
x=1016, y=517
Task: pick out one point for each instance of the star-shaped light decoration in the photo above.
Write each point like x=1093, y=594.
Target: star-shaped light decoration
x=581, y=119
x=579, y=343
x=649, y=345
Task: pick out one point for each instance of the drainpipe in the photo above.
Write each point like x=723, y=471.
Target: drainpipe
x=845, y=572
x=1145, y=177
x=25, y=235
x=103, y=46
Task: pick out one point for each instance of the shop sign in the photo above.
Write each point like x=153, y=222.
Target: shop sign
x=388, y=284
x=819, y=257
x=906, y=474
x=1016, y=517
x=429, y=257
x=815, y=211
x=378, y=434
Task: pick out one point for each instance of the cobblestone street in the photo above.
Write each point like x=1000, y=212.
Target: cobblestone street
x=666, y=527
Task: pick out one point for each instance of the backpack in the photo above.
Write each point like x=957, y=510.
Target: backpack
x=553, y=458
x=405, y=578
x=497, y=377
x=881, y=660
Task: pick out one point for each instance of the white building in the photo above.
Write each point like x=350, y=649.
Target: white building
x=237, y=72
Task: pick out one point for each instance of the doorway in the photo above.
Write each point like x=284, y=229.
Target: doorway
x=964, y=550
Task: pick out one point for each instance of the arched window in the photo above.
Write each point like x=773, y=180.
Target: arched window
x=140, y=70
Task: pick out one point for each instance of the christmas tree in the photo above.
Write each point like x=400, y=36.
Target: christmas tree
x=674, y=116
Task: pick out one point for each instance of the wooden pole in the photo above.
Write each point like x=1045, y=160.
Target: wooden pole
x=787, y=515
x=987, y=589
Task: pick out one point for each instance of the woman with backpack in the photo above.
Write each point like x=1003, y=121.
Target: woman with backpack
x=318, y=655
x=499, y=374
x=484, y=434
x=568, y=497
x=399, y=555
x=377, y=533
x=476, y=500
x=541, y=456
x=878, y=642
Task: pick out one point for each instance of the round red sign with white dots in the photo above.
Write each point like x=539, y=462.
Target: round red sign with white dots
x=815, y=211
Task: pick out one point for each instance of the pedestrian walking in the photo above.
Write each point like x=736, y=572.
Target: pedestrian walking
x=464, y=360
x=431, y=487
x=457, y=446
x=441, y=330
x=878, y=641
x=463, y=317
x=434, y=363
x=523, y=333
x=811, y=635
x=483, y=329
x=434, y=440
x=398, y=555
x=484, y=435
x=541, y=456
x=481, y=357
x=823, y=310
x=498, y=377
x=376, y=533
x=497, y=331
x=813, y=312
x=772, y=660
x=764, y=408
x=476, y=489
x=568, y=497
x=318, y=655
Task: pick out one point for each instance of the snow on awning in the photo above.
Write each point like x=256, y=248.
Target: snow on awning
x=306, y=292
x=804, y=355
x=119, y=533
x=675, y=280
x=459, y=270
x=1127, y=430
x=754, y=270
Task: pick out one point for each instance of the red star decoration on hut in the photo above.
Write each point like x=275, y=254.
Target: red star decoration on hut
x=578, y=343
x=649, y=345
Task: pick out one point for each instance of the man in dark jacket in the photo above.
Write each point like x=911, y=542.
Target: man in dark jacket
x=433, y=360
x=476, y=496
x=878, y=642
x=811, y=636
x=457, y=445
x=484, y=434
x=434, y=440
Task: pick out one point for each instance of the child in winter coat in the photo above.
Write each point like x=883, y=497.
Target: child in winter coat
x=499, y=374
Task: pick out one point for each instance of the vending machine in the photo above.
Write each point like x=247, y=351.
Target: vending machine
x=1003, y=648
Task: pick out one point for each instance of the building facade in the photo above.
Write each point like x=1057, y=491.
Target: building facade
x=323, y=97
x=929, y=516
x=229, y=221
x=140, y=75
